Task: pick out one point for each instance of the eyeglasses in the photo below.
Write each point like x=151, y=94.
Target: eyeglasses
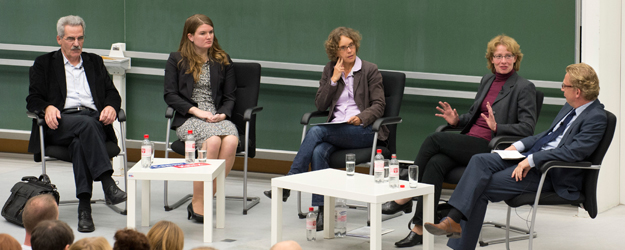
x=567, y=86
x=72, y=39
x=499, y=57
x=350, y=46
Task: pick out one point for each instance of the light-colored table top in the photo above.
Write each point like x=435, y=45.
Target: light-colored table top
x=173, y=173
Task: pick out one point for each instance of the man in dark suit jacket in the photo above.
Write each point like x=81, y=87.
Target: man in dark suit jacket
x=74, y=91
x=573, y=136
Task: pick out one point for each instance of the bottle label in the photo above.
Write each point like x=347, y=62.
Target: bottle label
x=146, y=151
x=394, y=171
x=311, y=224
x=379, y=166
x=189, y=146
x=341, y=215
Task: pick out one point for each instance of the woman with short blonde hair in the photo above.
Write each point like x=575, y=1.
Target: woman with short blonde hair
x=166, y=235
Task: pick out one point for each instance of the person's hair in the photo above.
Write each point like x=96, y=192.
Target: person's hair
x=584, y=78
x=51, y=235
x=7, y=242
x=511, y=45
x=332, y=44
x=91, y=243
x=71, y=21
x=130, y=239
x=187, y=48
x=39, y=208
x=166, y=235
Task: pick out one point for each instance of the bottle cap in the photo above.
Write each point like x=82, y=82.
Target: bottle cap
x=394, y=156
x=310, y=209
x=379, y=151
x=146, y=136
x=402, y=186
x=190, y=132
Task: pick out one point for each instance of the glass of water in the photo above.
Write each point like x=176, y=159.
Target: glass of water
x=201, y=155
x=350, y=164
x=413, y=176
x=386, y=169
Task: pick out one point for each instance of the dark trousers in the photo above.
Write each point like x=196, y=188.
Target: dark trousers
x=83, y=134
x=440, y=153
x=487, y=178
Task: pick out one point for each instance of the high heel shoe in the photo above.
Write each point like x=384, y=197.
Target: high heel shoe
x=285, y=194
x=193, y=215
x=392, y=207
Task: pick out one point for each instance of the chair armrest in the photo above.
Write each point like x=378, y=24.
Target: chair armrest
x=169, y=113
x=561, y=164
x=504, y=139
x=247, y=115
x=385, y=121
x=38, y=116
x=448, y=128
x=306, y=117
x=121, y=115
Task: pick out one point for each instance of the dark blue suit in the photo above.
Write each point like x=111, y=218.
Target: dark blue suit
x=488, y=177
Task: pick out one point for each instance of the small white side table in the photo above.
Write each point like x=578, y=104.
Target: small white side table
x=143, y=176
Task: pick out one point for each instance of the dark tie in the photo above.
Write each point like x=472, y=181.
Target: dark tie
x=552, y=135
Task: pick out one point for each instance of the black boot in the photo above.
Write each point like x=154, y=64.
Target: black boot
x=320, y=219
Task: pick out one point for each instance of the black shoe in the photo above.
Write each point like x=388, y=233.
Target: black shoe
x=85, y=222
x=285, y=194
x=412, y=239
x=392, y=207
x=193, y=215
x=113, y=195
x=320, y=219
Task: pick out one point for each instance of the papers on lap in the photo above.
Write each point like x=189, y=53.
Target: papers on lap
x=509, y=154
x=327, y=123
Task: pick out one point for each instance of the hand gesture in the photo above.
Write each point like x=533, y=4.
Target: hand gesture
x=108, y=115
x=490, y=119
x=521, y=170
x=450, y=115
x=338, y=70
x=217, y=118
x=52, y=114
x=354, y=120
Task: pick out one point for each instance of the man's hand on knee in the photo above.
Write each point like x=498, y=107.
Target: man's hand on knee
x=108, y=115
x=52, y=116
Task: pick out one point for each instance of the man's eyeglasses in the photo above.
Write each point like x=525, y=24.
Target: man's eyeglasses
x=72, y=39
x=499, y=57
x=350, y=46
x=567, y=86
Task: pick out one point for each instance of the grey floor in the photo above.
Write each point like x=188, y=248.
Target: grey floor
x=558, y=227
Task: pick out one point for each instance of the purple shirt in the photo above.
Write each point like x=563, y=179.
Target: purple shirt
x=345, y=106
x=480, y=128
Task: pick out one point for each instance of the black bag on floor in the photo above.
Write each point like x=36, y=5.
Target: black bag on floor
x=22, y=191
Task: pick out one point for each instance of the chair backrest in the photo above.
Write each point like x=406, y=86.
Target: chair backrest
x=248, y=86
x=591, y=177
x=394, y=83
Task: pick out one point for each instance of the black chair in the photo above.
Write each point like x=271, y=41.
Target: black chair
x=55, y=152
x=243, y=116
x=588, y=196
x=394, y=83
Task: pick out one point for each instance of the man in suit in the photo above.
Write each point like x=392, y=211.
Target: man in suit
x=75, y=93
x=573, y=136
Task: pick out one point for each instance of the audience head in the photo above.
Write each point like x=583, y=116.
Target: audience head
x=286, y=245
x=194, y=29
x=332, y=44
x=91, y=243
x=39, y=208
x=165, y=235
x=51, y=235
x=511, y=45
x=130, y=239
x=7, y=242
x=584, y=78
x=204, y=248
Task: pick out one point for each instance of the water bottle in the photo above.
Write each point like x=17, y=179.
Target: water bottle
x=189, y=147
x=147, y=152
x=340, y=217
x=311, y=225
x=393, y=179
x=378, y=163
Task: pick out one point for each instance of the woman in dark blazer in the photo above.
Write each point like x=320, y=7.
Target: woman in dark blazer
x=505, y=104
x=200, y=86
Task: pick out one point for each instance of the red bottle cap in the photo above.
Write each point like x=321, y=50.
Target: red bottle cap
x=146, y=136
x=190, y=132
x=310, y=209
x=379, y=151
x=402, y=186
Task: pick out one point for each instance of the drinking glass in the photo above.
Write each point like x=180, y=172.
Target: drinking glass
x=413, y=176
x=201, y=155
x=386, y=169
x=350, y=164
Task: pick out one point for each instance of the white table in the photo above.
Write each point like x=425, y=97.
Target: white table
x=333, y=184
x=143, y=176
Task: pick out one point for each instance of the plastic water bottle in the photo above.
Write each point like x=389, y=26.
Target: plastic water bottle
x=189, y=147
x=393, y=180
x=147, y=152
x=311, y=225
x=340, y=217
x=378, y=164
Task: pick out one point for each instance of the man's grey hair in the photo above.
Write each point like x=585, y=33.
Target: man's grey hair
x=68, y=20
